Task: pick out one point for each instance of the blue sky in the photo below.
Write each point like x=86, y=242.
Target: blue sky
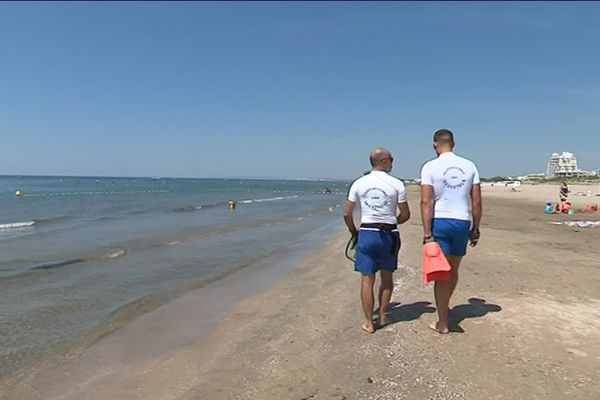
x=294, y=89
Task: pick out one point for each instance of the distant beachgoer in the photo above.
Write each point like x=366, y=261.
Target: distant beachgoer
x=451, y=212
x=563, y=192
x=380, y=196
x=557, y=208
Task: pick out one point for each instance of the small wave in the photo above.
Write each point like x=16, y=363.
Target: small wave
x=17, y=225
x=137, y=212
x=52, y=220
x=174, y=243
x=185, y=209
x=117, y=253
x=246, y=201
x=194, y=208
x=57, y=264
x=104, y=218
x=275, y=198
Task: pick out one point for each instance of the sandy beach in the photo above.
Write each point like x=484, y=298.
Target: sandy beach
x=526, y=325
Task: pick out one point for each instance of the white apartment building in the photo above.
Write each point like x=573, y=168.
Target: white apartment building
x=562, y=165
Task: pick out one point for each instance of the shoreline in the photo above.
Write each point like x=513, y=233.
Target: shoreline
x=186, y=317
x=534, y=335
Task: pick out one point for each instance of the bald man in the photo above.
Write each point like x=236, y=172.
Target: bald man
x=383, y=205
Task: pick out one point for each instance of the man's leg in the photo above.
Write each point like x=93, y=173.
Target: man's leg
x=454, y=262
x=368, y=301
x=385, y=294
x=441, y=290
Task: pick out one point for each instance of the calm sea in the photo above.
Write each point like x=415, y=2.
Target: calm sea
x=81, y=256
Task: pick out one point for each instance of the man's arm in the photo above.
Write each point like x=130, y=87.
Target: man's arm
x=476, y=205
x=349, y=217
x=404, y=213
x=477, y=211
x=426, y=209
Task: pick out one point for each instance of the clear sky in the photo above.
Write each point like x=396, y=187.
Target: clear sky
x=294, y=89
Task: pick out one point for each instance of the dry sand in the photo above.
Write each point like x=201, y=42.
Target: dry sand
x=526, y=326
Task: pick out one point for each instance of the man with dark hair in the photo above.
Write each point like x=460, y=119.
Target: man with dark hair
x=380, y=195
x=563, y=192
x=451, y=212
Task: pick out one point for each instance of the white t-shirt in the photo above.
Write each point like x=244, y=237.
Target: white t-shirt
x=452, y=177
x=378, y=195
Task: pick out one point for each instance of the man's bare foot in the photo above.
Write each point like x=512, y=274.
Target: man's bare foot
x=436, y=327
x=369, y=328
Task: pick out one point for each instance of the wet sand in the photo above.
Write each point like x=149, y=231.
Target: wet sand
x=526, y=325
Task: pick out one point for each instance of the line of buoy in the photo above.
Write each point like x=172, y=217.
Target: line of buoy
x=20, y=193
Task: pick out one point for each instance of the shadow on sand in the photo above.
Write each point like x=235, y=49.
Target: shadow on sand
x=407, y=312
x=475, y=309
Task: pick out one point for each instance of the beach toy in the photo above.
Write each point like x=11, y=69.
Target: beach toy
x=570, y=212
x=435, y=264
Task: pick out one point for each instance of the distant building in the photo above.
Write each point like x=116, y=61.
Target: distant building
x=532, y=177
x=562, y=165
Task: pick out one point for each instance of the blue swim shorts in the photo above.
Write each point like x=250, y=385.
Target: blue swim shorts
x=452, y=235
x=375, y=250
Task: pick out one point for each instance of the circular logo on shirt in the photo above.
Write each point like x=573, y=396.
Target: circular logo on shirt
x=454, y=178
x=376, y=199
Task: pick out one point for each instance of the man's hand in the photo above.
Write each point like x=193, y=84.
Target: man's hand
x=474, y=237
x=354, y=241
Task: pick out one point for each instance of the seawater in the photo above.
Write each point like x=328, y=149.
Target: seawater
x=80, y=257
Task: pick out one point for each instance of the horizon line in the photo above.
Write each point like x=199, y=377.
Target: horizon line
x=175, y=177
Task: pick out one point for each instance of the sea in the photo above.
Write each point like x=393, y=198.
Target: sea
x=82, y=256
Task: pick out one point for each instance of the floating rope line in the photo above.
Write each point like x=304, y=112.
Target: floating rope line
x=92, y=193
